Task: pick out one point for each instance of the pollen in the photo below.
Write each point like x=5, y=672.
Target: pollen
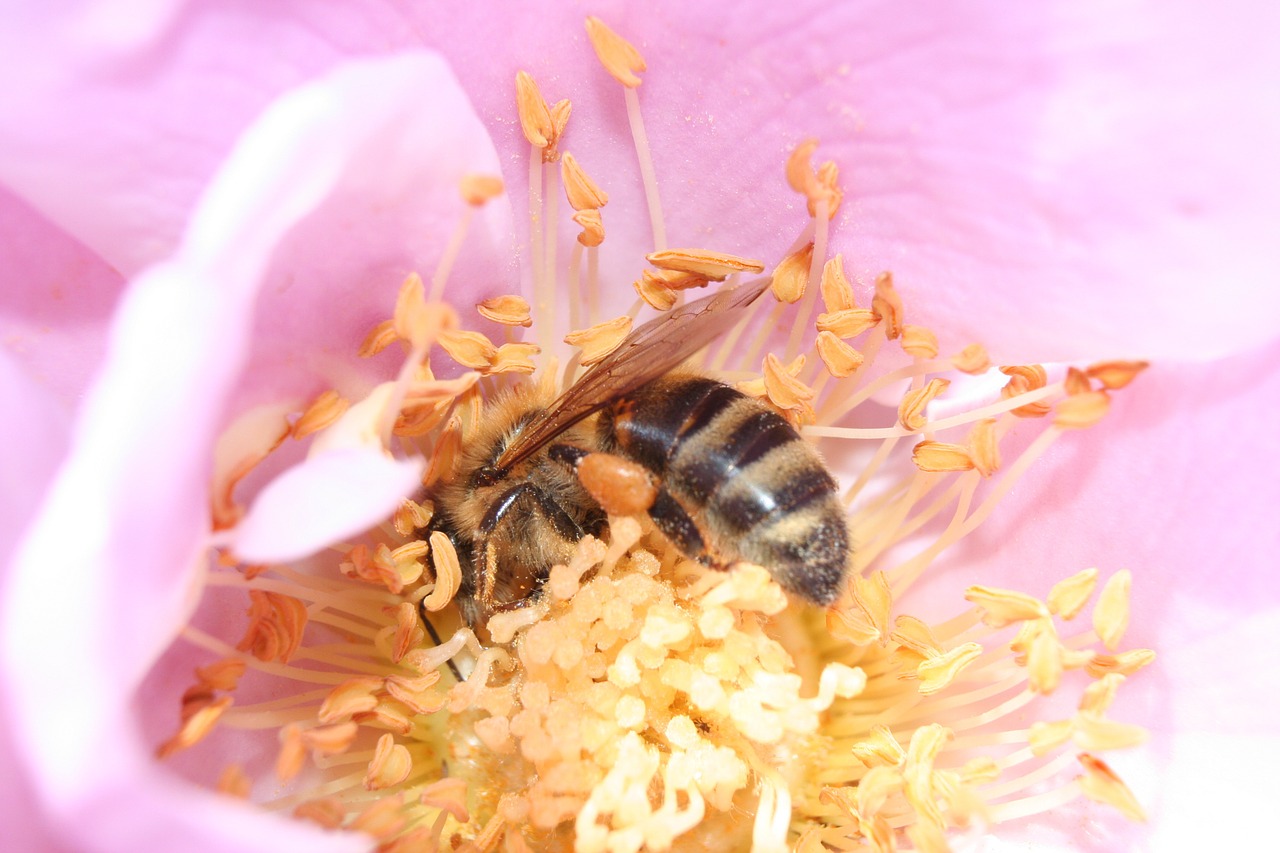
x=792, y=275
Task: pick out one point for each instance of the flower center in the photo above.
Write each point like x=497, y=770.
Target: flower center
x=639, y=700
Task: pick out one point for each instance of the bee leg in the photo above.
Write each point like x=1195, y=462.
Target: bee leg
x=485, y=553
x=618, y=485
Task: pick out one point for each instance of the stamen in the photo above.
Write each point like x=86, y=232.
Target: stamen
x=715, y=266
x=600, y=340
x=507, y=310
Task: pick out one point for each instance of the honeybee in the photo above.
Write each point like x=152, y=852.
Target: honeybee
x=732, y=480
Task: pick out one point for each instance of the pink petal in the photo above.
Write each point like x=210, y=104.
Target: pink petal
x=126, y=520
x=323, y=501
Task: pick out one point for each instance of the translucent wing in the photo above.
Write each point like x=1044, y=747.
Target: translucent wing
x=647, y=353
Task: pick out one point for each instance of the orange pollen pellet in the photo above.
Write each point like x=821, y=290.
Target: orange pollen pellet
x=620, y=486
x=791, y=277
x=618, y=56
x=911, y=411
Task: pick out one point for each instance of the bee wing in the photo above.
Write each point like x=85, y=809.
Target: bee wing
x=647, y=353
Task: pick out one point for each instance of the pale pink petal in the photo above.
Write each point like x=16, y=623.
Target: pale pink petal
x=1059, y=180
x=126, y=520
x=322, y=501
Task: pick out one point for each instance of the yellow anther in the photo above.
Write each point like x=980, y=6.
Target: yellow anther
x=938, y=457
x=655, y=293
x=716, y=266
x=379, y=338
x=984, y=447
x=582, y=192
x=888, y=304
x=1125, y=663
x=937, y=672
x=1024, y=378
x=837, y=294
x=535, y=115
x=781, y=385
x=1111, y=613
x=323, y=412
x=618, y=56
x=1116, y=374
x=973, y=359
x=911, y=411
x=515, y=358
x=508, y=310
x=477, y=190
x=1081, y=410
x=840, y=358
x=390, y=765
x=592, y=226
x=1101, y=784
x=919, y=342
x=881, y=748
x=1068, y=597
x=848, y=322
x=601, y=339
x=792, y=275
x=1076, y=382
x=448, y=569
x=470, y=349
x=195, y=727
x=1003, y=607
x=1044, y=658
x=1047, y=736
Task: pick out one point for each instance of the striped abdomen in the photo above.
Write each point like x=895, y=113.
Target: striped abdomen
x=752, y=487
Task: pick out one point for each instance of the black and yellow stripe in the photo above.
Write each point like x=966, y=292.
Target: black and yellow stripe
x=753, y=488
